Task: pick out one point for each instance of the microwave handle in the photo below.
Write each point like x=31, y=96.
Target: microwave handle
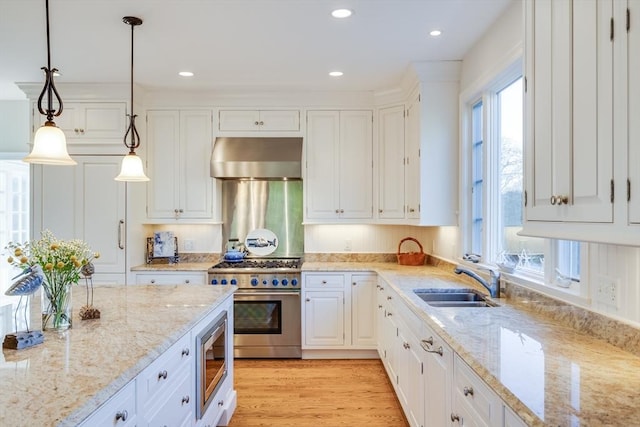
x=218, y=331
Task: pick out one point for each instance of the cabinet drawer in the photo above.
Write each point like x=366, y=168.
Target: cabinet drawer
x=119, y=410
x=170, y=278
x=324, y=281
x=469, y=390
x=179, y=404
x=162, y=375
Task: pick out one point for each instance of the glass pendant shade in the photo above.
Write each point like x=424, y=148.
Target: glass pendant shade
x=50, y=147
x=131, y=169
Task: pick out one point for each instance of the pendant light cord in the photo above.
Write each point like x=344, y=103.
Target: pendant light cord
x=49, y=87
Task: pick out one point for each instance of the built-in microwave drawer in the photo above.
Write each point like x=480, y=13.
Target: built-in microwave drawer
x=324, y=281
x=162, y=374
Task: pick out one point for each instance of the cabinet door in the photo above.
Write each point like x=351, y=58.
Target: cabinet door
x=363, y=311
x=412, y=156
x=163, y=134
x=391, y=162
x=324, y=318
x=196, y=185
x=279, y=120
x=322, y=177
x=633, y=114
x=84, y=202
x=410, y=377
x=172, y=278
x=438, y=369
x=356, y=164
x=569, y=104
x=92, y=120
x=238, y=120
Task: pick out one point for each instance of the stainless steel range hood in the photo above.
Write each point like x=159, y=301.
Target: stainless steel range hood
x=259, y=158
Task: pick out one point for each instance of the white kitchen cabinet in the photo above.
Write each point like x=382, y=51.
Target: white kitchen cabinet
x=474, y=403
x=93, y=123
x=171, y=278
x=511, y=419
x=259, y=120
x=118, y=411
x=431, y=147
x=85, y=202
x=438, y=368
x=410, y=375
x=569, y=104
x=391, y=163
x=339, y=311
x=630, y=93
x=179, y=146
x=339, y=160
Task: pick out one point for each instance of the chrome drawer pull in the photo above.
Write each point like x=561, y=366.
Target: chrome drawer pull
x=162, y=375
x=185, y=351
x=468, y=391
x=122, y=415
x=185, y=399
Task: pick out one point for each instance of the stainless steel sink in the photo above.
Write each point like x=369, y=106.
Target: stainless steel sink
x=454, y=298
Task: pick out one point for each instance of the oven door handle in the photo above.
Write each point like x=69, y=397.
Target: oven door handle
x=255, y=294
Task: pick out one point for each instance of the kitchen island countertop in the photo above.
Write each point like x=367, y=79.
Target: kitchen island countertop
x=546, y=371
x=66, y=378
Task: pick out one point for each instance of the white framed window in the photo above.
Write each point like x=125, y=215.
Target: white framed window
x=493, y=188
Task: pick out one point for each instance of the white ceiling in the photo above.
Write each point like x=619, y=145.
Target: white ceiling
x=236, y=44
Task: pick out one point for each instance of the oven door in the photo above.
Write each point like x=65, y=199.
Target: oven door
x=267, y=324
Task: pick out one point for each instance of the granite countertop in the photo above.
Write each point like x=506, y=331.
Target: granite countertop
x=64, y=379
x=547, y=372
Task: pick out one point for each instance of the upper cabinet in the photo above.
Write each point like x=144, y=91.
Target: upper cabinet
x=569, y=100
x=339, y=161
x=259, y=120
x=179, y=152
x=417, y=154
x=582, y=96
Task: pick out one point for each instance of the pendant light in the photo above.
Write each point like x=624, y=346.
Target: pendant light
x=132, y=169
x=49, y=142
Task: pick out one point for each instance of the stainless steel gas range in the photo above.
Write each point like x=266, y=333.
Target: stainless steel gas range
x=266, y=305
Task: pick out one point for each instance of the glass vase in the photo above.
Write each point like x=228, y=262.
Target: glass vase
x=56, y=306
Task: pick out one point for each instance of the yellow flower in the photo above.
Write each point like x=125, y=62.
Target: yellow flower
x=10, y=260
x=73, y=257
x=17, y=252
x=54, y=246
x=48, y=266
x=24, y=260
x=77, y=263
x=60, y=264
x=96, y=255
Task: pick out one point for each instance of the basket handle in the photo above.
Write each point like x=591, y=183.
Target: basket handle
x=413, y=240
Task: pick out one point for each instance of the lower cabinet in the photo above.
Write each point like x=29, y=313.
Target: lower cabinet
x=338, y=311
x=171, y=278
x=438, y=365
x=165, y=393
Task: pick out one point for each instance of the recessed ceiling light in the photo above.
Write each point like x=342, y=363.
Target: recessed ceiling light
x=341, y=13
x=336, y=73
x=435, y=33
x=185, y=73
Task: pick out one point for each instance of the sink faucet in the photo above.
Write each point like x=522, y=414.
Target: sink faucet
x=493, y=287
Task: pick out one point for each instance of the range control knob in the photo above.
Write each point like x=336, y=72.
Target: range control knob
x=214, y=281
x=254, y=282
x=234, y=282
x=264, y=282
x=294, y=282
x=223, y=282
x=285, y=282
x=275, y=282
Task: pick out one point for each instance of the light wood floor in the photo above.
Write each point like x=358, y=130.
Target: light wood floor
x=312, y=393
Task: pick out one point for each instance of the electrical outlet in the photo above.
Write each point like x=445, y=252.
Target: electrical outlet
x=607, y=291
x=347, y=245
x=188, y=245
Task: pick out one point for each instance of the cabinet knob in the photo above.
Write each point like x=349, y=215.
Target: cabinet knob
x=454, y=417
x=337, y=211
x=468, y=391
x=354, y=283
x=185, y=399
x=256, y=123
x=162, y=375
x=221, y=403
x=324, y=282
x=82, y=131
x=379, y=210
x=261, y=123
x=559, y=200
x=389, y=313
x=186, y=281
x=379, y=305
x=308, y=299
x=428, y=341
x=153, y=281
x=412, y=210
x=122, y=415
x=185, y=352
x=389, y=298
x=406, y=345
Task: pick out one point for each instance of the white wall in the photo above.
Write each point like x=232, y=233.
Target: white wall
x=14, y=122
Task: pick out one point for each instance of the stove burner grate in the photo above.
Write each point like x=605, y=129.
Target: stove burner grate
x=261, y=264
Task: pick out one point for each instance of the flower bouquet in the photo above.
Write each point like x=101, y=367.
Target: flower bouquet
x=61, y=262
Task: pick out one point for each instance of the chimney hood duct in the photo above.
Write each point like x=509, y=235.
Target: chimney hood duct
x=260, y=158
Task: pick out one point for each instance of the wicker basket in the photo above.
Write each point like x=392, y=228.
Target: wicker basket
x=411, y=258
